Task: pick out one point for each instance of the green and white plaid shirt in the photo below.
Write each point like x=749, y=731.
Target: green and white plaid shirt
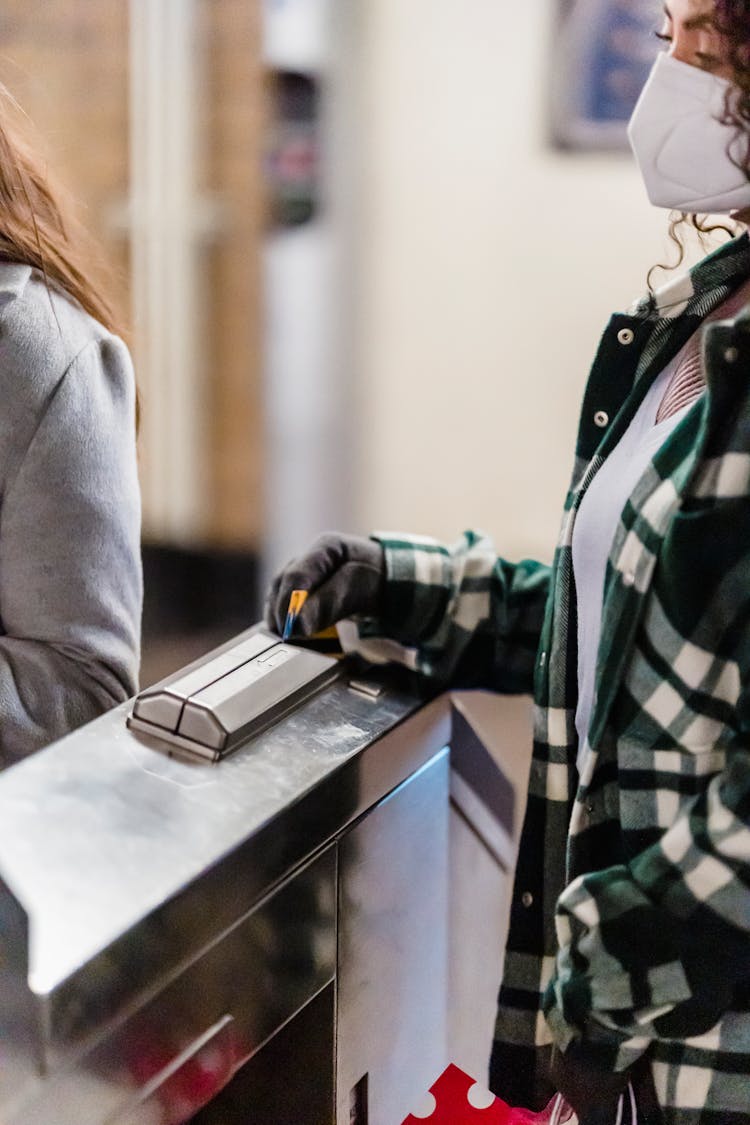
x=630, y=923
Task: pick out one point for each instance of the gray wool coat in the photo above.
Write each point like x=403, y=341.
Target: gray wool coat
x=70, y=571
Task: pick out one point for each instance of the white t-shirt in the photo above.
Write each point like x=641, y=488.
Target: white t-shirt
x=594, y=531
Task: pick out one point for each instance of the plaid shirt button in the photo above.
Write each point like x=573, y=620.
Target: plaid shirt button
x=527, y=899
x=731, y=355
x=601, y=419
x=626, y=336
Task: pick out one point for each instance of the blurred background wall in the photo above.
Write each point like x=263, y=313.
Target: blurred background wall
x=364, y=289
x=490, y=264
x=152, y=115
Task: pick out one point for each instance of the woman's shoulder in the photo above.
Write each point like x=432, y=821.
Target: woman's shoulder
x=28, y=300
x=44, y=335
x=42, y=332
x=14, y=277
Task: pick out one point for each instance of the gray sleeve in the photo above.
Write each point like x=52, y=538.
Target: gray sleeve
x=70, y=572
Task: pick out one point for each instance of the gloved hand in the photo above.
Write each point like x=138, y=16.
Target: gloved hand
x=345, y=576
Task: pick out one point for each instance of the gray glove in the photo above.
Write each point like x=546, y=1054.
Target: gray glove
x=345, y=575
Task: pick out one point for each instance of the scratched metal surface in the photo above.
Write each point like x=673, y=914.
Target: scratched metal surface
x=102, y=827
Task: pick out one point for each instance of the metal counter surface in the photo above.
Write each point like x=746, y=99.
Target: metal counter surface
x=103, y=827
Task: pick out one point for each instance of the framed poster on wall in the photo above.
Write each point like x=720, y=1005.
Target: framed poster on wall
x=602, y=51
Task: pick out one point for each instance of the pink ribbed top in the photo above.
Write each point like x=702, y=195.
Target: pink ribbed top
x=687, y=382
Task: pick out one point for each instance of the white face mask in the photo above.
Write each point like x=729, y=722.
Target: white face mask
x=681, y=147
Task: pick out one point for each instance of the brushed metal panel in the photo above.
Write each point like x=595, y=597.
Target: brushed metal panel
x=486, y=819
x=393, y=954
x=187, y=1082
x=220, y=1009
x=102, y=830
x=131, y=862
x=290, y=1080
x=479, y=903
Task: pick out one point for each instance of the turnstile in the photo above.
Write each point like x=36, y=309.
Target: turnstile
x=261, y=939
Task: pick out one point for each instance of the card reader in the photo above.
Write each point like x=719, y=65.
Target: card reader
x=221, y=701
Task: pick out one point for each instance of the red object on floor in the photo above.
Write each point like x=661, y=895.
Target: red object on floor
x=457, y=1099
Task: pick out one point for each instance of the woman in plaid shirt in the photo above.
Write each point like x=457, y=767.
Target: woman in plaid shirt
x=628, y=959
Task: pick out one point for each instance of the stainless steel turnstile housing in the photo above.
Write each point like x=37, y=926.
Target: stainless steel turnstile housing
x=259, y=940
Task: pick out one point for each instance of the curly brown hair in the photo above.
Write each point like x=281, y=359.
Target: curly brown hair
x=732, y=20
